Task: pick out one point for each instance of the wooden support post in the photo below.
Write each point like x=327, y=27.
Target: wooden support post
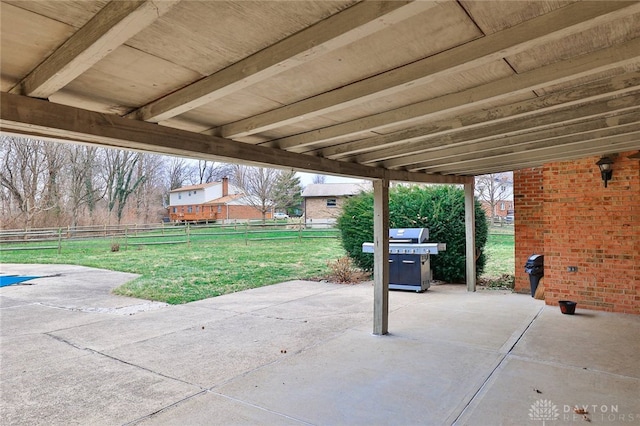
x=59, y=240
x=470, y=234
x=381, y=256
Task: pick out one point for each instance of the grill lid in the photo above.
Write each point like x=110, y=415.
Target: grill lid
x=408, y=235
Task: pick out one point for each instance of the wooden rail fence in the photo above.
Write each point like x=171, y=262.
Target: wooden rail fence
x=158, y=234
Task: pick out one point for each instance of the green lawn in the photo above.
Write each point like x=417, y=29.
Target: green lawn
x=500, y=252
x=182, y=273
x=220, y=264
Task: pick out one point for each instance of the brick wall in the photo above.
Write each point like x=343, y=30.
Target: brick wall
x=528, y=198
x=242, y=213
x=578, y=222
x=316, y=208
x=499, y=210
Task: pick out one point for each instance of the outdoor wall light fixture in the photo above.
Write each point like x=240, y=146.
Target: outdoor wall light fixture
x=605, y=169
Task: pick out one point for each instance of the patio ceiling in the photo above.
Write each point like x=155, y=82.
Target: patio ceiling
x=422, y=91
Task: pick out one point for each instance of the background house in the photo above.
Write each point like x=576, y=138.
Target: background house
x=323, y=201
x=215, y=201
x=495, y=193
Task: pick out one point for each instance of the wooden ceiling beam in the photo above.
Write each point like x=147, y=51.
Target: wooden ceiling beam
x=30, y=116
x=513, y=161
x=528, y=143
x=111, y=27
x=415, y=151
x=559, y=72
x=601, y=89
x=559, y=23
x=347, y=26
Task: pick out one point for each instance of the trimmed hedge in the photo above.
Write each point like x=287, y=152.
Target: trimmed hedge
x=439, y=208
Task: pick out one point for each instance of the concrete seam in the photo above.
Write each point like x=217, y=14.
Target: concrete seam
x=261, y=408
x=93, y=351
x=498, y=366
x=573, y=367
x=165, y=408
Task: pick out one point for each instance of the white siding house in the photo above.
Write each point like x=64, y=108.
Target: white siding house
x=200, y=194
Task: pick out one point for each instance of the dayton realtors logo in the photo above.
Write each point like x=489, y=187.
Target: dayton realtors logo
x=543, y=410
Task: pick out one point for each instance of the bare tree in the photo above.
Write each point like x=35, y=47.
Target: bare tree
x=121, y=179
x=55, y=156
x=492, y=189
x=179, y=171
x=210, y=171
x=23, y=174
x=319, y=179
x=149, y=194
x=84, y=190
x=258, y=185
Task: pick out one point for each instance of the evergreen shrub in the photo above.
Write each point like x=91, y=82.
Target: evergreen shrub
x=439, y=208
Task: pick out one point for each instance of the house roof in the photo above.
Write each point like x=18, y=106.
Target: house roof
x=226, y=199
x=192, y=187
x=424, y=91
x=334, y=189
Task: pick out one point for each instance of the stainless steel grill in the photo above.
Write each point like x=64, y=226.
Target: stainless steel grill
x=409, y=258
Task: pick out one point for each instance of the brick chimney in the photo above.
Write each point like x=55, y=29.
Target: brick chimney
x=225, y=187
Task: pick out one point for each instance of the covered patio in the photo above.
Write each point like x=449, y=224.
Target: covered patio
x=411, y=91
x=301, y=352
x=414, y=91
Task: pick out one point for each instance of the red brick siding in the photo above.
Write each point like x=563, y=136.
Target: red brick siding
x=508, y=206
x=586, y=225
x=528, y=197
x=244, y=212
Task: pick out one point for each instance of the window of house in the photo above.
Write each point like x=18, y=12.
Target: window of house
x=197, y=209
x=190, y=209
x=179, y=196
x=175, y=210
x=189, y=193
x=332, y=202
x=502, y=205
x=219, y=209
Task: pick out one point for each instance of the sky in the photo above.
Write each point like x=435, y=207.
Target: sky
x=307, y=178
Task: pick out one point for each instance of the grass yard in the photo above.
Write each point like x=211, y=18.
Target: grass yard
x=500, y=252
x=183, y=273
x=208, y=267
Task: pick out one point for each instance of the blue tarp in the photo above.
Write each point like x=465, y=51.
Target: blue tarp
x=6, y=280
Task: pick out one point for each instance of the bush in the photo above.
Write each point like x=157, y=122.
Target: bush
x=356, y=227
x=342, y=270
x=439, y=208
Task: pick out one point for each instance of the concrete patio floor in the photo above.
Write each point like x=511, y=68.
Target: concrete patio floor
x=303, y=353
